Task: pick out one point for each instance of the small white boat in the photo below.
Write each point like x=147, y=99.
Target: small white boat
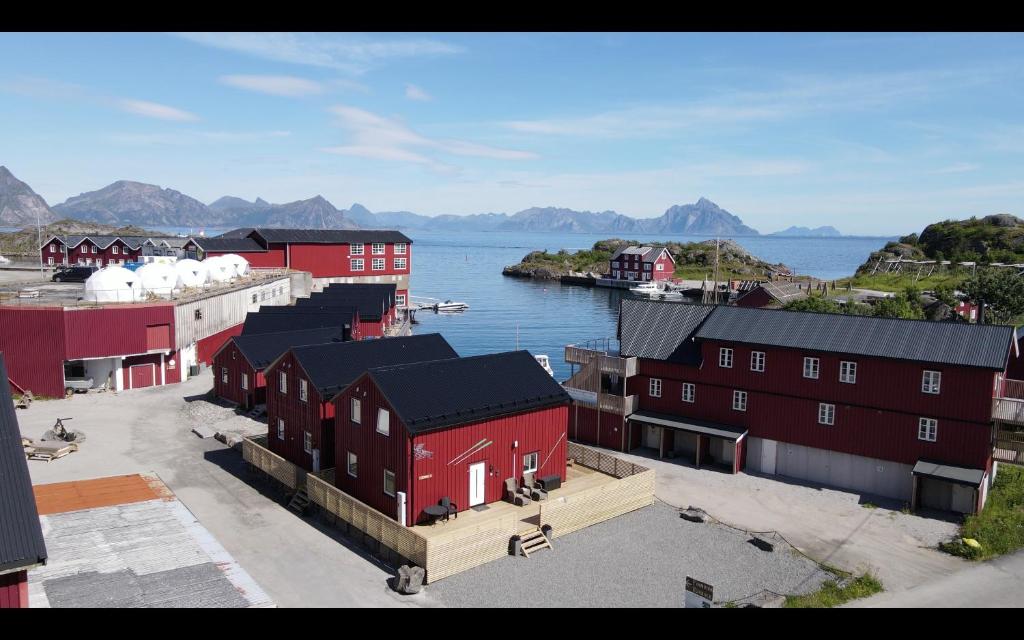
x=450, y=305
x=545, y=364
x=646, y=289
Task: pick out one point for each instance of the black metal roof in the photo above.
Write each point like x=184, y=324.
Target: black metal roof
x=229, y=244
x=237, y=233
x=256, y=323
x=332, y=367
x=660, y=330
x=330, y=236
x=950, y=473
x=372, y=304
x=261, y=349
x=338, y=289
x=681, y=423
x=21, y=536
x=960, y=344
x=433, y=395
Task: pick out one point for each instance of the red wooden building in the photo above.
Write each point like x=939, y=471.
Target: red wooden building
x=302, y=382
x=375, y=304
x=21, y=536
x=238, y=365
x=772, y=294
x=856, y=402
x=642, y=264
x=407, y=436
x=95, y=250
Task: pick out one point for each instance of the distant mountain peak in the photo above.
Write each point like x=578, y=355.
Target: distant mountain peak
x=19, y=204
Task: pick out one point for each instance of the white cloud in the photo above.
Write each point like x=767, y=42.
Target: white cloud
x=353, y=54
x=382, y=138
x=196, y=137
x=413, y=92
x=156, y=110
x=959, y=167
x=289, y=86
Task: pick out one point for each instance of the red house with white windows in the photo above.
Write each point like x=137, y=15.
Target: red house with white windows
x=238, y=365
x=331, y=255
x=302, y=382
x=896, y=408
x=94, y=250
x=407, y=436
x=643, y=264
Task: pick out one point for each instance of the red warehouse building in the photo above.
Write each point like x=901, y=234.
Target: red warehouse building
x=895, y=408
x=407, y=436
x=238, y=365
x=331, y=255
x=21, y=536
x=642, y=264
x=302, y=382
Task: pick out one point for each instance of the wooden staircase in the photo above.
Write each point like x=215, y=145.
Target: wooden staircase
x=300, y=502
x=534, y=541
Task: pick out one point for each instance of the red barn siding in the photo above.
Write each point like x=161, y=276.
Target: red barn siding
x=14, y=590
x=32, y=340
x=314, y=415
x=608, y=431
x=755, y=299
x=232, y=391
x=208, y=346
x=113, y=331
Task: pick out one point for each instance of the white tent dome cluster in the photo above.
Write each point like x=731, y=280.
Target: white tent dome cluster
x=117, y=284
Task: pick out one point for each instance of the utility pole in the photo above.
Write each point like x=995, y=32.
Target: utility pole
x=716, y=270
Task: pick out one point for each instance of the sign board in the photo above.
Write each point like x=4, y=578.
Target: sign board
x=699, y=595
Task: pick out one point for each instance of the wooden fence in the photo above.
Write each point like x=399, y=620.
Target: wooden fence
x=1010, y=447
x=632, y=490
x=256, y=453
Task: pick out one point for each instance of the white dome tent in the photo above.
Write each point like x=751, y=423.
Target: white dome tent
x=158, y=278
x=191, y=273
x=220, y=269
x=240, y=264
x=113, y=284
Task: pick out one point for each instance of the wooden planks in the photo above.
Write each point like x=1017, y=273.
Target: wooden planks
x=255, y=453
x=62, y=497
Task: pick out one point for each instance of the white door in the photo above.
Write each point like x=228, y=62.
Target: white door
x=476, y=483
x=768, y=457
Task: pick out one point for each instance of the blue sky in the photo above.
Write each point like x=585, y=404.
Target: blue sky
x=872, y=133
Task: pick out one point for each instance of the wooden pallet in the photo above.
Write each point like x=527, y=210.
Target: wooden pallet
x=34, y=451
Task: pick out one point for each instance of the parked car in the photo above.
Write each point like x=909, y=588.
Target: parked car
x=73, y=274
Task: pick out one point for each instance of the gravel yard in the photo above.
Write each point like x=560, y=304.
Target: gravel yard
x=221, y=417
x=640, y=559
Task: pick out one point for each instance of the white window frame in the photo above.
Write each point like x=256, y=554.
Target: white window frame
x=383, y=418
x=351, y=460
x=654, y=387
x=307, y=442
x=931, y=381
x=53, y=248
x=49, y=260
x=399, y=300
x=757, y=359
x=530, y=461
x=245, y=381
x=689, y=392
x=659, y=267
x=377, y=249
x=280, y=428
x=115, y=250
x=374, y=262
x=401, y=263
x=400, y=248
x=848, y=372
x=928, y=429
x=826, y=413
x=282, y=382
x=812, y=366
x=739, y=400
x=725, y=357
x=357, y=264
x=303, y=390
x=392, y=474
x=224, y=375
x=355, y=410
x=357, y=249
x=95, y=249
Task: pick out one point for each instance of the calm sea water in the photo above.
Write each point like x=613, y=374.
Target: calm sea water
x=546, y=316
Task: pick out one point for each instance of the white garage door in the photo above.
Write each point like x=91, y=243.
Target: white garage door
x=843, y=470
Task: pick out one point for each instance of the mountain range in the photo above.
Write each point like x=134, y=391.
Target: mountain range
x=126, y=202
x=806, y=232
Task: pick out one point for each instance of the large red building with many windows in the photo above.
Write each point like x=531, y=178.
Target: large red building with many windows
x=643, y=264
x=889, y=407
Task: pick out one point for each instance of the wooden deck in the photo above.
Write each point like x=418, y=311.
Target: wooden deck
x=525, y=518
x=62, y=497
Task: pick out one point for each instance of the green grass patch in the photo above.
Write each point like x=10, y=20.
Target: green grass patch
x=831, y=594
x=869, y=505
x=896, y=282
x=999, y=528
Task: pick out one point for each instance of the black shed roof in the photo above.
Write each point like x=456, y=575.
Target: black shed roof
x=433, y=395
x=334, y=290
x=229, y=244
x=21, y=535
x=277, y=322
x=330, y=236
x=371, y=304
x=261, y=349
x=332, y=367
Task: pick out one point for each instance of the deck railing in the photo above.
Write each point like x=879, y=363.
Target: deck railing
x=611, y=364
x=256, y=452
x=1008, y=400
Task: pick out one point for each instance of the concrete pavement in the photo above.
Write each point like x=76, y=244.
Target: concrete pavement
x=996, y=583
